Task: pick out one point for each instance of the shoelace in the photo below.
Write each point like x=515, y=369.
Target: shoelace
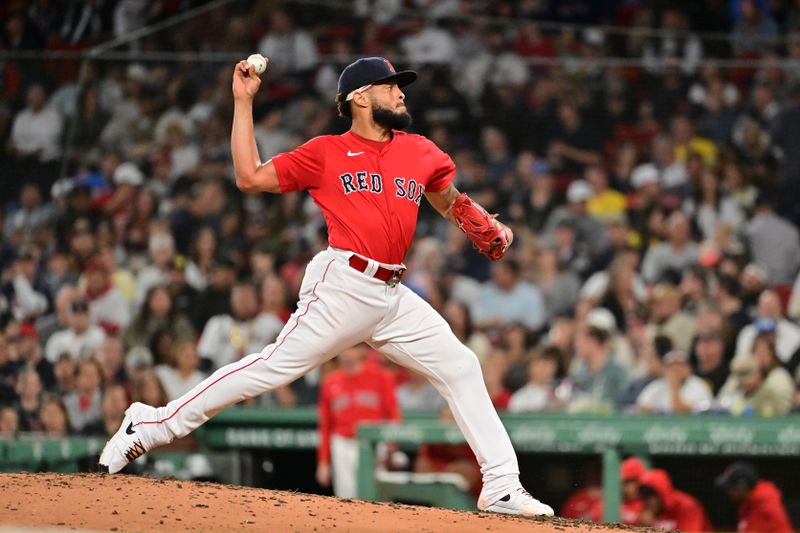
x=134, y=451
x=525, y=493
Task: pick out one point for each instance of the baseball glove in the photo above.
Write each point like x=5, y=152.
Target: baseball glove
x=488, y=236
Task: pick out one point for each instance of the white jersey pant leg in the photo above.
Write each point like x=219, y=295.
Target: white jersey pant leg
x=344, y=465
x=414, y=335
x=332, y=315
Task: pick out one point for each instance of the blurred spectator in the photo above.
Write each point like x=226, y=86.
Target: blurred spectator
x=30, y=214
x=418, y=394
x=773, y=243
x=673, y=43
x=760, y=502
x=574, y=144
x=674, y=255
x=494, y=65
x=36, y=132
x=288, y=49
x=79, y=339
x=162, y=249
x=750, y=391
x=29, y=353
x=672, y=171
x=606, y=204
x=147, y=388
x=180, y=374
x=667, y=318
x=26, y=302
x=29, y=392
x=539, y=393
x=107, y=307
x=770, y=321
x=678, y=391
x=494, y=369
x=157, y=314
x=229, y=337
x=652, y=352
x=115, y=402
x=712, y=366
x=755, y=31
x=559, y=287
x=425, y=44
x=216, y=297
x=59, y=318
x=9, y=422
x=182, y=294
x=665, y=507
x=589, y=232
x=508, y=299
x=54, y=417
x=460, y=321
x=83, y=405
x=110, y=356
x=355, y=392
x=619, y=288
x=65, y=370
x=598, y=381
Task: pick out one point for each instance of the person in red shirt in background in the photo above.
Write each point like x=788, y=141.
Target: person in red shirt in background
x=666, y=507
x=450, y=458
x=760, y=502
x=357, y=391
x=631, y=471
x=585, y=503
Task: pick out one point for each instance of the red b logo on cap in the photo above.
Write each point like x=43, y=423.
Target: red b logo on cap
x=390, y=65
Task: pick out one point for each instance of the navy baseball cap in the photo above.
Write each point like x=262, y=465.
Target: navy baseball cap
x=369, y=70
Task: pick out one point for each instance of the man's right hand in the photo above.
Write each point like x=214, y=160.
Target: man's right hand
x=245, y=81
x=324, y=474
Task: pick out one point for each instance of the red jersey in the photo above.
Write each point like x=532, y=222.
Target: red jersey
x=345, y=400
x=630, y=511
x=763, y=511
x=584, y=504
x=369, y=192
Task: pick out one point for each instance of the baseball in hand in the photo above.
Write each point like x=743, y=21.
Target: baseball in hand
x=259, y=63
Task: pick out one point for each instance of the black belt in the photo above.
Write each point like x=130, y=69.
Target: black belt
x=386, y=275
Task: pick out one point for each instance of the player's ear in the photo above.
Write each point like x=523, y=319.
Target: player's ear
x=360, y=99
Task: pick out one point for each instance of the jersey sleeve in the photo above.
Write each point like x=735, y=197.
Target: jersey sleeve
x=444, y=169
x=301, y=168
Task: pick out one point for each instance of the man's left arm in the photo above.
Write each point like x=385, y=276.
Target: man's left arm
x=489, y=236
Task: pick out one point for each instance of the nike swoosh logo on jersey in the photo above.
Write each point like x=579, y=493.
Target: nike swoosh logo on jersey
x=351, y=154
x=129, y=430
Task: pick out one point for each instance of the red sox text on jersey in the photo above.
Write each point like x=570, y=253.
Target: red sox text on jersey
x=369, y=191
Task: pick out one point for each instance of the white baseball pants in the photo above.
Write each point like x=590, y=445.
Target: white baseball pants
x=340, y=307
x=344, y=466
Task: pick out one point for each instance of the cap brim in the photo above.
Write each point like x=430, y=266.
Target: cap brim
x=402, y=78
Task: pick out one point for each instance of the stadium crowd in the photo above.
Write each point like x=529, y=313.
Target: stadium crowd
x=655, y=266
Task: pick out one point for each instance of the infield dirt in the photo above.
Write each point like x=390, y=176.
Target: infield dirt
x=97, y=502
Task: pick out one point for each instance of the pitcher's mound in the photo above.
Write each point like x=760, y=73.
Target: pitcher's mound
x=128, y=503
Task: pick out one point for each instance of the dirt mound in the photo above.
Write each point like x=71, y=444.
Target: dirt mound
x=129, y=503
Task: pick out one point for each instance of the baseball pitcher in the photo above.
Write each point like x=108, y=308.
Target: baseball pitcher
x=368, y=183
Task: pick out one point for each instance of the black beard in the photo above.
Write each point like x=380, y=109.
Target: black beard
x=389, y=119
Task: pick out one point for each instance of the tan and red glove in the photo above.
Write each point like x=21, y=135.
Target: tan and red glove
x=488, y=236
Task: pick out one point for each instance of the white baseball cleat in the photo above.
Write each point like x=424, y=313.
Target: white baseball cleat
x=518, y=502
x=126, y=445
